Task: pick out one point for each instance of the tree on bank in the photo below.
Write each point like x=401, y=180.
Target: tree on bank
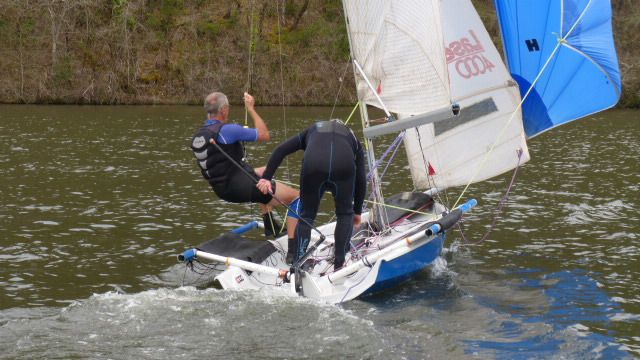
x=175, y=51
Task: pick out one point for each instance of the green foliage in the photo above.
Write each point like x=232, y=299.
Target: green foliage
x=119, y=11
x=290, y=8
x=209, y=29
x=4, y=32
x=631, y=96
x=153, y=76
x=176, y=50
x=302, y=36
x=62, y=71
x=164, y=17
x=118, y=6
x=27, y=26
x=342, y=44
x=332, y=11
x=633, y=102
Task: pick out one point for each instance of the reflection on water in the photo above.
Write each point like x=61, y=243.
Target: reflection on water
x=96, y=202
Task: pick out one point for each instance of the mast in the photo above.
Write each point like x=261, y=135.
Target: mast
x=378, y=211
x=378, y=214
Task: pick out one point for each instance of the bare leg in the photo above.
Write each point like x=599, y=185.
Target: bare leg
x=264, y=208
x=286, y=194
x=291, y=227
x=259, y=171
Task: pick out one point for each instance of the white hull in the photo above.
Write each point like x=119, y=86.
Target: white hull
x=387, y=260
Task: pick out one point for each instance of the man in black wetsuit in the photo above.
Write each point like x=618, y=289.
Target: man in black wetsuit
x=334, y=161
x=226, y=178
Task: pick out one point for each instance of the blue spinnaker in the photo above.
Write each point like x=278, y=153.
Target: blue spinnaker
x=582, y=76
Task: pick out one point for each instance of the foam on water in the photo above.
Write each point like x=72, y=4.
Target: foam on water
x=165, y=323
x=556, y=278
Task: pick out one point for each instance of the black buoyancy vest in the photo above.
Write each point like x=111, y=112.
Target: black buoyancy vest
x=215, y=167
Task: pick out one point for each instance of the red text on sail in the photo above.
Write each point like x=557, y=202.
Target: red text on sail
x=467, y=56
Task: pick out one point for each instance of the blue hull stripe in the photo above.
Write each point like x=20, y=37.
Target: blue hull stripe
x=394, y=272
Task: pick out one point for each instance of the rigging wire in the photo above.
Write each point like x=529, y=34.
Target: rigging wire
x=393, y=155
x=501, y=204
x=561, y=41
x=250, y=59
x=352, y=112
x=249, y=82
x=341, y=80
x=284, y=112
x=392, y=148
x=430, y=178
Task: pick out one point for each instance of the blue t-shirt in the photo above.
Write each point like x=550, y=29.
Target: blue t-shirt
x=232, y=133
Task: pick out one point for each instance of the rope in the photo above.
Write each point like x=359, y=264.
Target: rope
x=430, y=178
x=340, y=79
x=249, y=61
x=284, y=222
x=391, y=147
x=393, y=155
x=247, y=86
x=284, y=112
x=503, y=201
x=352, y=112
x=255, y=181
x=398, y=207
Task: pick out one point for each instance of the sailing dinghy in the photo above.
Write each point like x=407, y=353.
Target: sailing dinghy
x=458, y=113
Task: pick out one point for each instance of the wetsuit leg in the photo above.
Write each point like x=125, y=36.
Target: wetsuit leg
x=344, y=213
x=311, y=191
x=343, y=179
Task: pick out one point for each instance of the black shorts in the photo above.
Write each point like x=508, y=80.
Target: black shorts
x=239, y=188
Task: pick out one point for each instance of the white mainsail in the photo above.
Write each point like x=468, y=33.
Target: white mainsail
x=485, y=139
x=399, y=45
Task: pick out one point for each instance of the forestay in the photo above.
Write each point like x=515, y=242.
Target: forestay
x=575, y=38
x=487, y=136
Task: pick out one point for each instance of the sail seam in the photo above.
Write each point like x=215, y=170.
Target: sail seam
x=613, y=83
x=444, y=84
x=486, y=91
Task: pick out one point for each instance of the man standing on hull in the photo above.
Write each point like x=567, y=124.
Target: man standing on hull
x=334, y=161
x=219, y=151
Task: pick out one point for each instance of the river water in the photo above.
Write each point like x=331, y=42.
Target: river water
x=95, y=202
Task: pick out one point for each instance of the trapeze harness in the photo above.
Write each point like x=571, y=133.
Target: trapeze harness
x=227, y=181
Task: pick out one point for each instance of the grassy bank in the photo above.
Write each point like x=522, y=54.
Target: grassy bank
x=175, y=51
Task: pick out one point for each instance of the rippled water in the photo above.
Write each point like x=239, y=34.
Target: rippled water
x=95, y=202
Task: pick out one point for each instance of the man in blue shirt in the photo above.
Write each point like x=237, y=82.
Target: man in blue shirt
x=230, y=179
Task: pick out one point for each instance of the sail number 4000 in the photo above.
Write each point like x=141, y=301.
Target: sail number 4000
x=473, y=65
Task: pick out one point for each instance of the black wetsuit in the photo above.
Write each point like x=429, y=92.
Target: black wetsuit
x=334, y=161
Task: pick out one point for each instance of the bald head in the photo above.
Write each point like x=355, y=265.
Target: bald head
x=215, y=102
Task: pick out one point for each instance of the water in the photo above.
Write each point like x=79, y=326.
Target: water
x=97, y=201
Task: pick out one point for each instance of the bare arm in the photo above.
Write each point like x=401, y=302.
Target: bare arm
x=263, y=131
